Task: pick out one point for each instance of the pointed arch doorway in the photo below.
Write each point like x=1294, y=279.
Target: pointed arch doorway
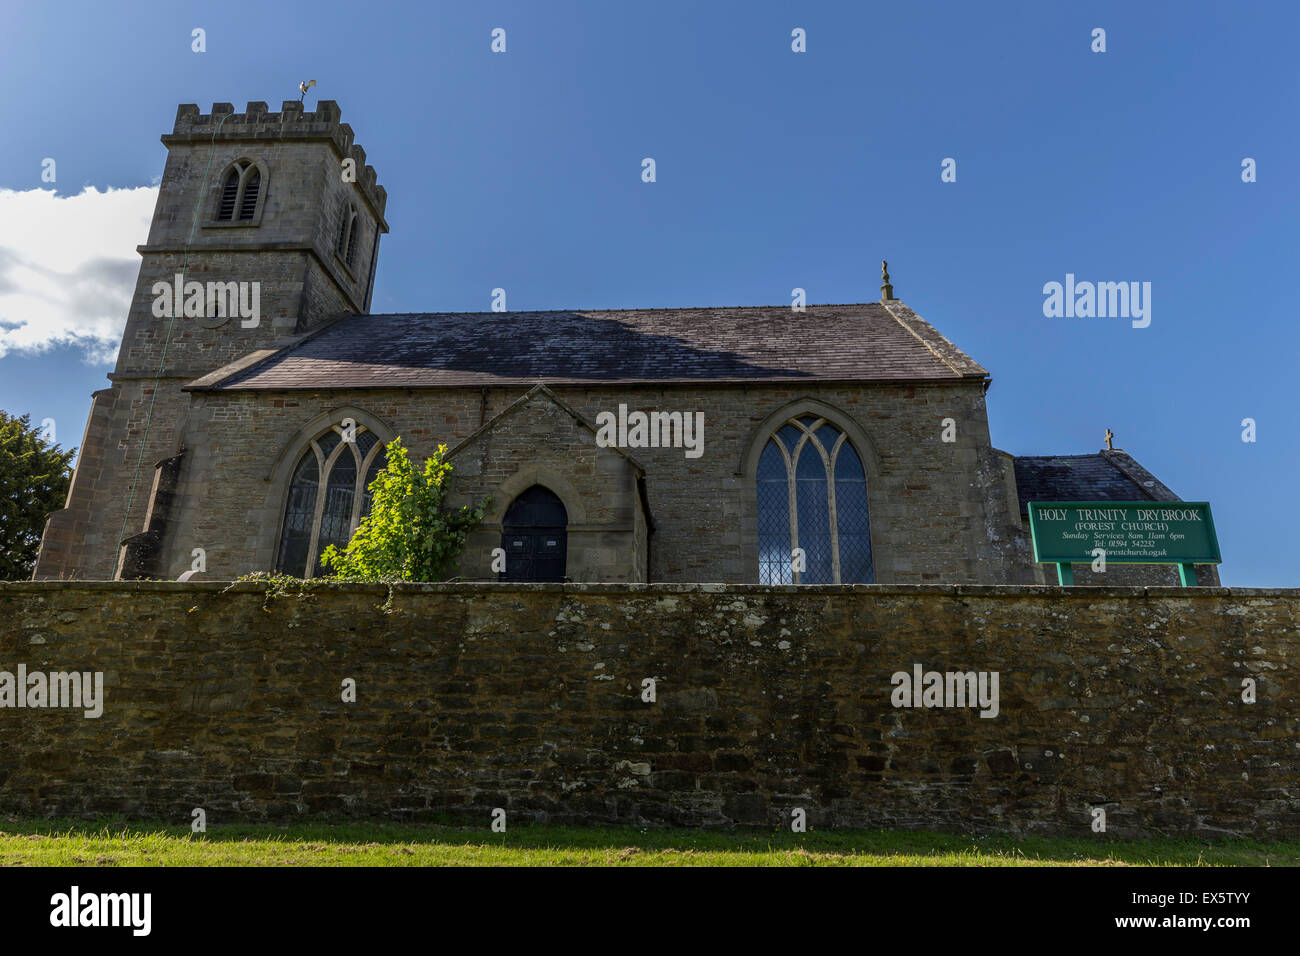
x=534, y=537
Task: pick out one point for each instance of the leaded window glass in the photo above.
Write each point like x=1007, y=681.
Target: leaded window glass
x=812, y=496
x=328, y=496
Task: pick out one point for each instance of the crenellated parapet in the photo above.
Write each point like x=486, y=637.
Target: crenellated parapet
x=256, y=123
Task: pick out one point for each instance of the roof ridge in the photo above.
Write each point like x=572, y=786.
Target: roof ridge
x=658, y=308
x=1138, y=473
x=1094, y=454
x=961, y=364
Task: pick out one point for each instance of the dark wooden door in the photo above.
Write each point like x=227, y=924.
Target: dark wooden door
x=533, y=537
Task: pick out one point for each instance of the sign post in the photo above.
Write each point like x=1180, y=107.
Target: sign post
x=1123, y=532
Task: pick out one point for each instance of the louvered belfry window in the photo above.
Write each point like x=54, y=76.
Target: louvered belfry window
x=239, y=193
x=347, y=243
x=229, y=196
x=248, y=202
x=352, y=243
x=345, y=224
x=812, y=495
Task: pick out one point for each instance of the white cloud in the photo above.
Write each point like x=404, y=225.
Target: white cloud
x=68, y=267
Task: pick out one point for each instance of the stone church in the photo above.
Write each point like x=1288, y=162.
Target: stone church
x=856, y=434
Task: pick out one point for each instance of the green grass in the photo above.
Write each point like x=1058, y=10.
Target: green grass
x=117, y=843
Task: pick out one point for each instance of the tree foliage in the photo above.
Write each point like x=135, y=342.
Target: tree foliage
x=408, y=535
x=34, y=478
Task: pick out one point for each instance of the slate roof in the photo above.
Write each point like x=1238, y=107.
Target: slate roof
x=848, y=343
x=1105, y=476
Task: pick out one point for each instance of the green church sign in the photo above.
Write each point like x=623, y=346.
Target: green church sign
x=1126, y=532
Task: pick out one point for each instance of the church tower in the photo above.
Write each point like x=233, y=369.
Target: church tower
x=267, y=227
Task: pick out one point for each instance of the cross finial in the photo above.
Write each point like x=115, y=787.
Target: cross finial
x=1109, y=436
x=886, y=290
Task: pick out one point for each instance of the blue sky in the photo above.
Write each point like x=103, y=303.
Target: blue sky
x=774, y=170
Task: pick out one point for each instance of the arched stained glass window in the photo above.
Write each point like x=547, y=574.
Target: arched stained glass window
x=812, y=496
x=328, y=496
x=299, y=514
x=774, y=516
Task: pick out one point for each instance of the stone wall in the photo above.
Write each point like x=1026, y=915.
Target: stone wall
x=529, y=698
x=939, y=511
x=539, y=441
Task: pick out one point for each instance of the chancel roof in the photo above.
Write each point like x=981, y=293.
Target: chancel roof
x=1105, y=476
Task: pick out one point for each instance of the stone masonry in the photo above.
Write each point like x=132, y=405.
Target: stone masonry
x=287, y=247
x=933, y=519
x=530, y=698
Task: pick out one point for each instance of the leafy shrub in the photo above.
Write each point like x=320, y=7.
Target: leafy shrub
x=408, y=535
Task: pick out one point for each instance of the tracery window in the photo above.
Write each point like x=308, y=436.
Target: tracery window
x=328, y=496
x=812, y=495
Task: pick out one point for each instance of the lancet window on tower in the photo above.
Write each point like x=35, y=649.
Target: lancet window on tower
x=347, y=241
x=239, y=192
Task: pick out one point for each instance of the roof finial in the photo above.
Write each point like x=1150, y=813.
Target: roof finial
x=1109, y=436
x=886, y=290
